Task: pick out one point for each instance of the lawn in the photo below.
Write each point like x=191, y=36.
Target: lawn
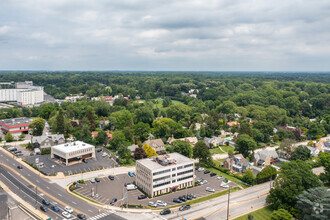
x=226, y=148
x=217, y=150
x=260, y=214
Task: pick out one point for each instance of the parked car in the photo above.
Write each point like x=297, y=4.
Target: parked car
x=46, y=202
x=85, y=160
x=142, y=196
x=213, y=174
x=18, y=154
x=209, y=189
x=183, y=198
x=99, y=150
x=55, y=208
x=165, y=212
x=152, y=204
x=66, y=214
x=192, y=195
x=31, y=154
x=20, y=167
x=184, y=207
x=224, y=185
x=219, y=177
x=104, y=154
x=200, y=169
x=206, y=171
x=189, y=197
x=113, y=201
x=111, y=177
x=130, y=174
x=13, y=149
x=97, y=179
x=44, y=208
x=126, y=184
x=81, y=216
x=176, y=200
x=161, y=203
x=133, y=173
x=68, y=209
x=131, y=187
x=92, y=180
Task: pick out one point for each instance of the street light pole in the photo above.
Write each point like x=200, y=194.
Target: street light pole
x=228, y=203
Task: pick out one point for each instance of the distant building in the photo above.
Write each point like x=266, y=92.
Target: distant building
x=191, y=140
x=47, y=141
x=232, y=123
x=72, y=152
x=237, y=163
x=265, y=157
x=15, y=125
x=73, y=98
x=157, y=145
x=214, y=141
x=163, y=174
x=132, y=148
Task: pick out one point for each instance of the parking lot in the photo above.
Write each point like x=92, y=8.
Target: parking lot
x=108, y=189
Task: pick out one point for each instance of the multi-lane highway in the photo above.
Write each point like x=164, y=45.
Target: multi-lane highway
x=24, y=184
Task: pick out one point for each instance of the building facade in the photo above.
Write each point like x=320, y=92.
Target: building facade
x=165, y=173
x=156, y=144
x=72, y=152
x=15, y=125
x=47, y=141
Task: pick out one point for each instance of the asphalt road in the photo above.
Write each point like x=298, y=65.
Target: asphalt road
x=55, y=192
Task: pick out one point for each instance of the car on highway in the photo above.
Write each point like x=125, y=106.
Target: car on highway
x=82, y=216
x=206, y=171
x=184, y=207
x=161, y=203
x=46, y=202
x=97, y=179
x=142, y=196
x=20, y=167
x=55, y=208
x=44, y=208
x=212, y=174
x=113, y=201
x=152, y=204
x=176, y=200
x=66, y=214
x=92, y=180
x=130, y=174
x=165, y=212
x=111, y=177
x=209, y=189
x=68, y=209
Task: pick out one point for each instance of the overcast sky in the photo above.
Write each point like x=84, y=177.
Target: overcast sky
x=214, y=35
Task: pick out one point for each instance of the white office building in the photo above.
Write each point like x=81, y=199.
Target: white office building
x=72, y=152
x=165, y=173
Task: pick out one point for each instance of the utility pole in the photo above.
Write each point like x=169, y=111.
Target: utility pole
x=228, y=204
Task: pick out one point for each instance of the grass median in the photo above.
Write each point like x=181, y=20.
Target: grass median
x=260, y=214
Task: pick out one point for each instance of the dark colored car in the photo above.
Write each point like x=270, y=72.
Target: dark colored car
x=196, y=168
x=111, y=177
x=142, y=196
x=81, y=216
x=45, y=202
x=183, y=198
x=189, y=197
x=97, y=179
x=99, y=150
x=44, y=208
x=85, y=161
x=20, y=167
x=113, y=201
x=13, y=149
x=213, y=174
x=192, y=195
x=184, y=207
x=206, y=171
x=176, y=200
x=31, y=154
x=55, y=208
x=18, y=154
x=165, y=212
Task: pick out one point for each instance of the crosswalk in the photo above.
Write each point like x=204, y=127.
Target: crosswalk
x=102, y=215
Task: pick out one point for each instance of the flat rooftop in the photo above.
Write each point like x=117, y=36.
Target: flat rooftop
x=71, y=147
x=16, y=121
x=172, y=159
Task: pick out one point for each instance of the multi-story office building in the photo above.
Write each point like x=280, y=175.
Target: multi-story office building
x=165, y=173
x=15, y=125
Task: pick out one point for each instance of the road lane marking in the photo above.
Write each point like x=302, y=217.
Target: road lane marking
x=74, y=203
x=59, y=194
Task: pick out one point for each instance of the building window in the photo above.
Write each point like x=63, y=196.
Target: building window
x=161, y=184
x=188, y=165
x=160, y=172
x=183, y=178
x=180, y=167
x=184, y=172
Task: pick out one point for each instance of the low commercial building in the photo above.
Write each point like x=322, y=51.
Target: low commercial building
x=71, y=152
x=165, y=173
x=15, y=125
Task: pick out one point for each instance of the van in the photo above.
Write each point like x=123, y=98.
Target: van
x=131, y=187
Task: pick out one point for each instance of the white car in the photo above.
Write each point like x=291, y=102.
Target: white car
x=161, y=203
x=152, y=204
x=209, y=189
x=201, y=169
x=92, y=180
x=219, y=177
x=68, y=209
x=104, y=154
x=66, y=214
x=224, y=185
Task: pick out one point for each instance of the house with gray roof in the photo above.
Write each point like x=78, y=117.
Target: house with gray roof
x=265, y=157
x=157, y=145
x=237, y=163
x=48, y=140
x=214, y=141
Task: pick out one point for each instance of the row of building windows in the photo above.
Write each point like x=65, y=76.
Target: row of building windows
x=183, y=178
x=160, y=172
x=184, y=172
x=162, y=184
x=80, y=151
x=188, y=165
x=161, y=178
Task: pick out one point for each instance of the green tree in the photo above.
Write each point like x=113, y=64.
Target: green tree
x=249, y=177
x=37, y=126
x=295, y=177
x=179, y=113
x=118, y=139
x=46, y=110
x=314, y=203
x=301, y=153
x=202, y=153
x=230, y=152
x=139, y=153
x=86, y=135
x=165, y=127
x=167, y=102
x=266, y=173
x=149, y=151
x=182, y=147
x=141, y=131
x=123, y=118
x=144, y=114
x=245, y=145
x=124, y=153
x=9, y=137
x=316, y=130
x=281, y=214
x=250, y=217
x=325, y=161
x=101, y=138
x=227, y=107
x=60, y=122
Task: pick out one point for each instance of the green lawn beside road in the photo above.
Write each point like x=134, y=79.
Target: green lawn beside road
x=260, y=214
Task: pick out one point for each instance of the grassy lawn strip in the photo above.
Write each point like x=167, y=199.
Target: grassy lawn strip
x=226, y=148
x=205, y=198
x=260, y=214
x=79, y=196
x=233, y=179
x=217, y=151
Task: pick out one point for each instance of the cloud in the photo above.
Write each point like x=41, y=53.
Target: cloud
x=165, y=34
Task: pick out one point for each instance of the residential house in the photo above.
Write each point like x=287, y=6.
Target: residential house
x=290, y=128
x=325, y=145
x=237, y=163
x=47, y=141
x=103, y=123
x=191, y=140
x=232, y=123
x=132, y=148
x=214, y=141
x=95, y=133
x=157, y=145
x=265, y=157
x=255, y=170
